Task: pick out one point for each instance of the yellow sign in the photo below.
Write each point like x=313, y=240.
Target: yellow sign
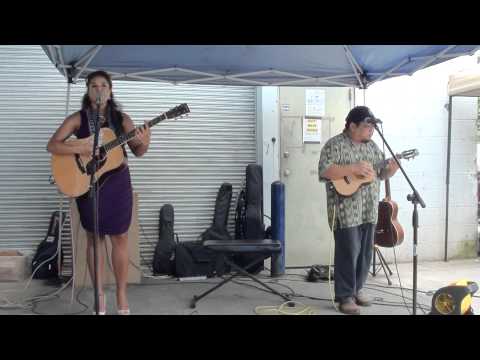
x=312, y=130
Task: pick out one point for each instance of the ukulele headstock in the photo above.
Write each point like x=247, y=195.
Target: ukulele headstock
x=408, y=154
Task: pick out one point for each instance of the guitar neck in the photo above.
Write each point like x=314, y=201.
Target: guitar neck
x=122, y=139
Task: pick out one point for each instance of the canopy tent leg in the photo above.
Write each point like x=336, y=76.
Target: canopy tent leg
x=61, y=198
x=449, y=141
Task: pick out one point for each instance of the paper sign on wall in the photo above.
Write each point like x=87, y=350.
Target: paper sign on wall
x=312, y=130
x=315, y=102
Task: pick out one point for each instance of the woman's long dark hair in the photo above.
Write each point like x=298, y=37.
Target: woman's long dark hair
x=111, y=103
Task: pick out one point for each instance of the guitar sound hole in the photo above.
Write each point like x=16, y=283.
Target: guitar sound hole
x=100, y=163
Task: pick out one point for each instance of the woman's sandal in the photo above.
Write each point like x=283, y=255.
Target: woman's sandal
x=123, y=312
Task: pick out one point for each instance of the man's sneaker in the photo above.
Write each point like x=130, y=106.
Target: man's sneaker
x=348, y=306
x=362, y=299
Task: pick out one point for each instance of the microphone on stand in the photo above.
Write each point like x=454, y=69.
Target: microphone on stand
x=373, y=121
x=99, y=97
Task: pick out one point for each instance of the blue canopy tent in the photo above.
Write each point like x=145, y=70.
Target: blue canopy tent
x=253, y=65
x=263, y=65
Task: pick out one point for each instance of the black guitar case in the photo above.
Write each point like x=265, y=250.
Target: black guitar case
x=250, y=223
x=45, y=260
x=164, y=256
x=218, y=230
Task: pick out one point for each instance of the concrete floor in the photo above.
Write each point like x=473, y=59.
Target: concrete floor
x=172, y=297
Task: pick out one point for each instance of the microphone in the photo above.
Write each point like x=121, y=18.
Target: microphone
x=373, y=121
x=99, y=97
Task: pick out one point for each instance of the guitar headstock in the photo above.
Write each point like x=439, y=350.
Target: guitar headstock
x=177, y=111
x=408, y=154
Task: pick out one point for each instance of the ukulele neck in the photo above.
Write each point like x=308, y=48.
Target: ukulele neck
x=387, y=189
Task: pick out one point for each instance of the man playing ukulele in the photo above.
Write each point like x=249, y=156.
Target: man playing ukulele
x=352, y=153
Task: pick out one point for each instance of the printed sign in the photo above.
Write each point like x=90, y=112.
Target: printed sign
x=312, y=130
x=315, y=102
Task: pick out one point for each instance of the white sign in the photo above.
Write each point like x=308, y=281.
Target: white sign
x=315, y=102
x=312, y=130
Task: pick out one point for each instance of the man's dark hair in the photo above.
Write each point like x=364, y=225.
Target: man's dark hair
x=357, y=115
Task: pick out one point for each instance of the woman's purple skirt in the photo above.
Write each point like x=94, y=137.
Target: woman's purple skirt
x=114, y=203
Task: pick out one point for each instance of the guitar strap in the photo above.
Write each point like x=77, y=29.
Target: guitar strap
x=113, y=122
x=91, y=120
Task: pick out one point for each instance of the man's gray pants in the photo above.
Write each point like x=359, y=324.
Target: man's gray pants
x=353, y=257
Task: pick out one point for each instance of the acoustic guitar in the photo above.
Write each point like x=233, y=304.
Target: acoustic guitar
x=348, y=185
x=72, y=172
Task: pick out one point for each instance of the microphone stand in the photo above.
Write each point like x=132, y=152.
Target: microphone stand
x=415, y=199
x=93, y=195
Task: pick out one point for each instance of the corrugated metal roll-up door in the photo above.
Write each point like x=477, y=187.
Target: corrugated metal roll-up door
x=187, y=161
x=32, y=103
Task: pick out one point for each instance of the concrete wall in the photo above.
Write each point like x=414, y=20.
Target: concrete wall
x=415, y=115
x=414, y=112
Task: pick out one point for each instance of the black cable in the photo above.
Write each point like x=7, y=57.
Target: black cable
x=428, y=293
x=294, y=294
x=275, y=281
x=81, y=303
x=268, y=282
x=34, y=305
x=56, y=296
x=398, y=276
x=262, y=289
x=175, y=282
x=390, y=293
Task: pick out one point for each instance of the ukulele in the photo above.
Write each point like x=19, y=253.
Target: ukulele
x=389, y=232
x=72, y=172
x=348, y=185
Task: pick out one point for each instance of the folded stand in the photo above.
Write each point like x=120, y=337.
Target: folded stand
x=382, y=263
x=226, y=249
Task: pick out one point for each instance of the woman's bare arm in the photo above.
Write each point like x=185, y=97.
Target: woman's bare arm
x=57, y=144
x=139, y=144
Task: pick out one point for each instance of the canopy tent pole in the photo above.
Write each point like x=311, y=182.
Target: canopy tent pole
x=324, y=79
x=88, y=60
x=449, y=141
x=354, y=64
x=60, y=212
x=62, y=62
x=51, y=52
x=433, y=58
x=389, y=72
